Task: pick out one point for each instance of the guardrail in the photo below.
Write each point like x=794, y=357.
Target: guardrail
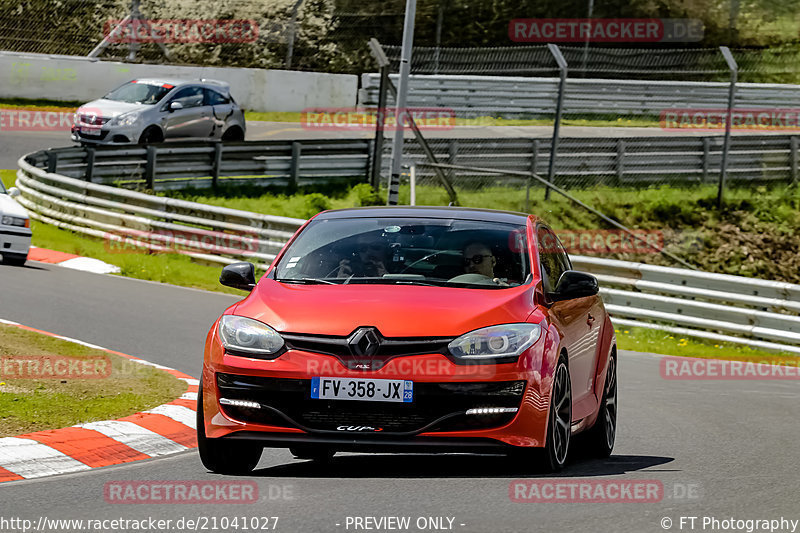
x=124, y=218
x=636, y=161
x=514, y=97
x=581, y=161
x=759, y=313
x=172, y=166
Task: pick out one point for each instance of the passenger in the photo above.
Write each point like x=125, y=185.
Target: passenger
x=368, y=261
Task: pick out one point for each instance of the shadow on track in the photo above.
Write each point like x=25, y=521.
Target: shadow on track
x=455, y=466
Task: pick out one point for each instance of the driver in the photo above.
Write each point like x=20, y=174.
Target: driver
x=479, y=259
x=369, y=260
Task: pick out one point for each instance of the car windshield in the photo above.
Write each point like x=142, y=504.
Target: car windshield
x=139, y=92
x=417, y=251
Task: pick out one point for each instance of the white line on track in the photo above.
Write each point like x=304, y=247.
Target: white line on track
x=179, y=413
x=30, y=459
x=140, y=439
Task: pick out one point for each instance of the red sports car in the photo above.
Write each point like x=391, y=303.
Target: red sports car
x=410, y=329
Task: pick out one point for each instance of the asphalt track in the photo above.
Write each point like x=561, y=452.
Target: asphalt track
x=732, y=444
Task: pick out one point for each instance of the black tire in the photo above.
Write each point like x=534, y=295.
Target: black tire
x=221, y=456
x=600, y=438
x=15, y=259
x=313, y=453
x=559, y=422
x=151, y=135
x=233, y=134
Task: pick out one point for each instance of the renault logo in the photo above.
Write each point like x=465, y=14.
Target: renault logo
x=364, y=341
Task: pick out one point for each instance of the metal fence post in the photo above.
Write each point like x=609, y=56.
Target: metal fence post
x=793, y=157
x=383, y=89
x=294, y=169
x=90, y=155
x=706, y=156
x=215, y=167
x=562, y=82
x=150, y=167
x=452, y=153
x=52, y=161
x=534, y=164
x=723, y=171
x=620, y=160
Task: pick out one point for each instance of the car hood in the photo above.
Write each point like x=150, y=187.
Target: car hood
x=9, y=206
x=396, y=310
x=110, y=108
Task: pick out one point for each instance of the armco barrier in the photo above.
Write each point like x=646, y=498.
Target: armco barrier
x=755, y=312
x=638, y=161
x=512, y=97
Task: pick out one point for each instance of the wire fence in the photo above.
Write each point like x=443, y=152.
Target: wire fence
x=657, y=117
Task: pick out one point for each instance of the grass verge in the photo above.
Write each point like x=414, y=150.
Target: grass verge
x=28, y=404
x=664, y=343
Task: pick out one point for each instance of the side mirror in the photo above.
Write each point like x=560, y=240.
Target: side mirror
x=13, y=192
x=175, y=105
x=239, y=276
x=573, y=284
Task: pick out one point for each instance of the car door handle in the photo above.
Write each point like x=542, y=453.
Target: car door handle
x=590, y=320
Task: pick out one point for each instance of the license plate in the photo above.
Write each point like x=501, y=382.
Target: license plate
x=370, y=390
x=90, y=131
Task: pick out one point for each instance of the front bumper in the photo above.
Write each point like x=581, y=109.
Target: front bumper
x=436, y=418
x=15, y=240
x=110, y=135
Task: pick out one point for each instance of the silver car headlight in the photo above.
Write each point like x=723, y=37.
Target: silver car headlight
x=126, y=119
x=249, y=337
x=15, y=221
x=496, y=342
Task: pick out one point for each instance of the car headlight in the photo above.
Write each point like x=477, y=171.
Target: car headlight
x=249, y=337
x=15, y=221
x=496, y=342
x=126, y=119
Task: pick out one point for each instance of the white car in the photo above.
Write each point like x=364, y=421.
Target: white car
x=15, y=228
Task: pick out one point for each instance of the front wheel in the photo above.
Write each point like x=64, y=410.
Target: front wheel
x=221, y=456
x=559, y=424
x=151, y=135
x=602, y=435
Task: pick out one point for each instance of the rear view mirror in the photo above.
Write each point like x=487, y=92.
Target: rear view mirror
x=175, y=106
x=239, y=276
x=13, y=192
x=573, y=284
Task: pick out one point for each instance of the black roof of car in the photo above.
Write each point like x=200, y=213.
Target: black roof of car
x=463, y=213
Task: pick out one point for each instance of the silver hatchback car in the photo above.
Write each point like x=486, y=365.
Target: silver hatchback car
x=154, y=110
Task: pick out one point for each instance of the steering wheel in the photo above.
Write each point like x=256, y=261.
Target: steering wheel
x=434, y=254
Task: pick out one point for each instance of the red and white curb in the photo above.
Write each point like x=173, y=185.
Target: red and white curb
x=73, y=261
x=166, y=429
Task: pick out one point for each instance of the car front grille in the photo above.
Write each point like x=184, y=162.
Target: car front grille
x=436, y=406
x=352, y=356
x=93, y=120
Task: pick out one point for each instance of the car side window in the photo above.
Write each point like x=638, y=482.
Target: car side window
x=189, y=97
x=552, y=258
x=215, y=98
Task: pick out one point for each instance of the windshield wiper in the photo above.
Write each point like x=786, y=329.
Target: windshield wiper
x=307, y=281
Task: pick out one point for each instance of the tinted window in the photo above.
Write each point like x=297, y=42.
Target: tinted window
x=215, y=98
x=442, y=252
x=552, y=257
x=189, y=97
